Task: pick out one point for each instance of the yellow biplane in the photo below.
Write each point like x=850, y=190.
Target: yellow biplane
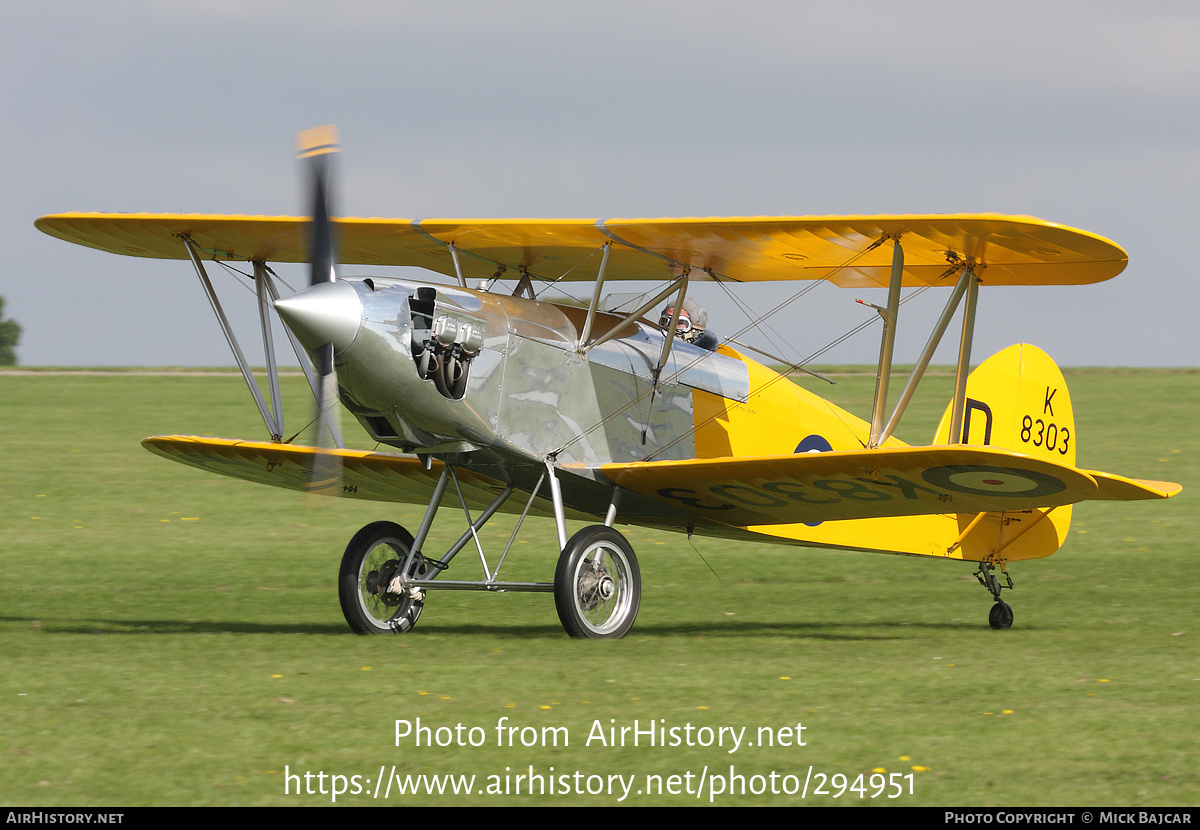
x=605, y=415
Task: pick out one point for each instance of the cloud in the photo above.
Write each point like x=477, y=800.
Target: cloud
x=1082, y=113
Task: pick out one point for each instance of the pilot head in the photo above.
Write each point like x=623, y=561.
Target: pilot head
x=693, y=320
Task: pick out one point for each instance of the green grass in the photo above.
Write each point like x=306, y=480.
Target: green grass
x=172, y=638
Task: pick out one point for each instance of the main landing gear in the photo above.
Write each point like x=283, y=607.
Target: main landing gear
x=1001, y=615
x=385, y=576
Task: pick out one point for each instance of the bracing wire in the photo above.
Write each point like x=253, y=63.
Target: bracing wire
x=681, y=370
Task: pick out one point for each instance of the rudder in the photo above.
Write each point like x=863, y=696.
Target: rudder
x=1017, y=399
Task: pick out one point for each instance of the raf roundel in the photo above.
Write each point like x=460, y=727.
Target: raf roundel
x=993, y=481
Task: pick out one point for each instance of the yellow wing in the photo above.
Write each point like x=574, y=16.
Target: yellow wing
x=379, y=476
x=880, y=483
x=1012, y=250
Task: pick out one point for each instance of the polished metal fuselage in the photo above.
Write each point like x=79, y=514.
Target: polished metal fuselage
x=532, y=394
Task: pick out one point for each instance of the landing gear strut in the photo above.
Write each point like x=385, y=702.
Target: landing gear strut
x=385, y=576
x=1001, y=615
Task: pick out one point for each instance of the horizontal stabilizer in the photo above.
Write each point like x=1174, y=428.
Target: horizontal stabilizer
x=1119, y=488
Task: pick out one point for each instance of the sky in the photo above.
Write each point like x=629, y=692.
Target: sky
x=1082, y=113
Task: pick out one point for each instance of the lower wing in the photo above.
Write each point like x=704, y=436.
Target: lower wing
x=910, y=481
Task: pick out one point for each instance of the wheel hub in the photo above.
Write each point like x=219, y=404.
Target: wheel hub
x=589, y=596
x=378, y=582
x=596, y=585
x=607, y=588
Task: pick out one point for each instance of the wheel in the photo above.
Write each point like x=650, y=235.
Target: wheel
x=1001, y=616
x=372, y=559
x=597, y=585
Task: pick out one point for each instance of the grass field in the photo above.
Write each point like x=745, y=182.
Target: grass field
x=173, y=638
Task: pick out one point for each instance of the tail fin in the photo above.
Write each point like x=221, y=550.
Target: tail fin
x=1016, y=399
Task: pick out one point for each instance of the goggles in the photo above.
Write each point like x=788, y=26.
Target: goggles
x=682, y=326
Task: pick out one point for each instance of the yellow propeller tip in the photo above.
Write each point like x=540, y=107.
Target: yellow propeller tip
x=317, y=141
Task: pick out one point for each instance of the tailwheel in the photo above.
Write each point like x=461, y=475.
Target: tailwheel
x=597, y=585
x=1001, y=616
x=372, y=561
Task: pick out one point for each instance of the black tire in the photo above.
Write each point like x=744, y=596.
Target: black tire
x=597, y=585
x=1001, y=616
x=372, y=559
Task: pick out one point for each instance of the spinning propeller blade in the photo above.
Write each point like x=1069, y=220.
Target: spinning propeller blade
x=315, y=148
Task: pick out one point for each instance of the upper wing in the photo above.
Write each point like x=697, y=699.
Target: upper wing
x=1012, y=250
x=817, y=487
